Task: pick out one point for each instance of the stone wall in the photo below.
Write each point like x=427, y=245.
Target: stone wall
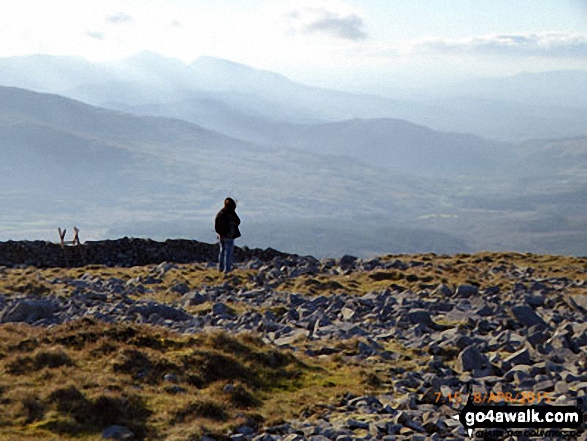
x=123, y=252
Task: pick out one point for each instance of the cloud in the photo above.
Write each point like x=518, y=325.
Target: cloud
x=349, y=27
x=121, y=17
x=542, y=45
x=331, y=18
x=96, y=35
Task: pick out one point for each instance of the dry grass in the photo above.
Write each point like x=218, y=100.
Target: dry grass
x=73, y=380
x=481, y=269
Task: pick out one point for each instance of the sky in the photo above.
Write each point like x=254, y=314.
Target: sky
x=349, y=44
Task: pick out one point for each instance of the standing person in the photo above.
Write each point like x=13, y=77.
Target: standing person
x=226, y=225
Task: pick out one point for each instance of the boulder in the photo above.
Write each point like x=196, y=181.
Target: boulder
x=527, y=317
x=422, y=317
x=471, y=359
x=347, y=262
x=466, y=291
x=117, y=432
x=523, y=356
x=29, y=310
x=194, y=298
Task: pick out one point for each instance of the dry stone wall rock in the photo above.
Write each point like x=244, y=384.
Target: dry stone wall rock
x=125, y=252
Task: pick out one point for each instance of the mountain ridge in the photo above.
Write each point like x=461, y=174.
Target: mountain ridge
x=116, y=174
x=163, y=80
x=126, y=174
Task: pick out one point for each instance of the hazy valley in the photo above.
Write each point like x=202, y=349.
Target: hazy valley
x=316, y=171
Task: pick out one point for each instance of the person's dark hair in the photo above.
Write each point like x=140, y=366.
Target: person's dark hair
x=229, y=204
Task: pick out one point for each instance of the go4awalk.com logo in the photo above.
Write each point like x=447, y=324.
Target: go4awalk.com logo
x=535, y=419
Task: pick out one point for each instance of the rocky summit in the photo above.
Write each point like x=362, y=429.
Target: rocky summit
x=285, y=347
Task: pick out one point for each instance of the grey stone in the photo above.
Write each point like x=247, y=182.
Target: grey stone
x=464, y=342
x=537, y=336
x=523, y=356
x=96, y=296
x=491, y=291
x=246, y=430
x=442, y=291
x=580, y=334
x=193, y=299
x=171, y=378
x=347, y=313
x=221, y=309
x=353, y=424
x=422, y=317
x=561, y=388
x=471, y=359
x=546, y=385
x=563, y=355
x=365, y=349
x=404, y=419
x=180, y=288
x=526, y=316
x=535, y=300
x=175, y=389
x=266, y=437
x=486, y=311
x=117, y=432
x=369, y=401
x=294, y=437
x=441, y=306
x=466, y=291
x=579, y=301
x=519, y=372
x=437, y=426
x=164, y=311
x=347, y=261
x=29, y=310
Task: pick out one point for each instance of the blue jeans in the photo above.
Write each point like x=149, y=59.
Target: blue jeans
x=225, y=255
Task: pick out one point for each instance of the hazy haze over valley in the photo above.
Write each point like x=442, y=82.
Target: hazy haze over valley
x=358, y=139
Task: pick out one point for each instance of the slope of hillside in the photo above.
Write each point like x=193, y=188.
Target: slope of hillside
x=119, y=174
x=399, y=146
x=511, y=108
x=395, y=144
x=69, y=115
x=332, y=348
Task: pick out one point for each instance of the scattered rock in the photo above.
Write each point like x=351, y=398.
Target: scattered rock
x=29, y=310
x=531, y=337
x=117, y=432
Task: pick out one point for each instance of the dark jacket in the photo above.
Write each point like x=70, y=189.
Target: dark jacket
x=226, y=224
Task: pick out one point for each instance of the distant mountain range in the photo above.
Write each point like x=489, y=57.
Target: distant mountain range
x=315, y=171
x=398, y=145
x=516, y=108
x=118, y=174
